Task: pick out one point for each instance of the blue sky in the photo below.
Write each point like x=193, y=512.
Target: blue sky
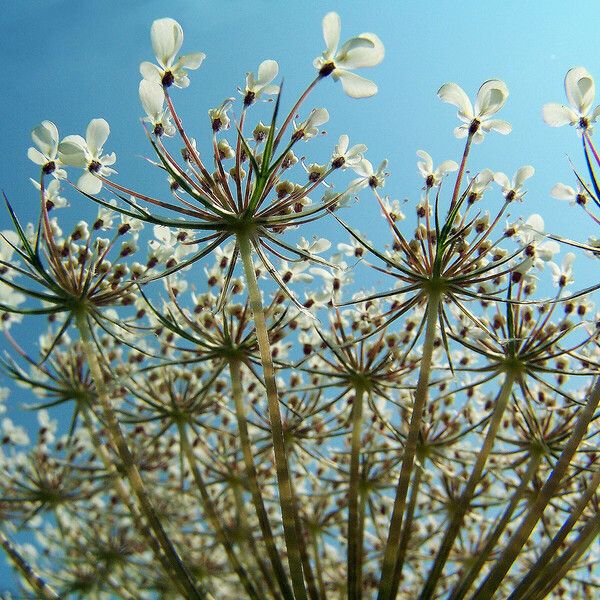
x=70, y=61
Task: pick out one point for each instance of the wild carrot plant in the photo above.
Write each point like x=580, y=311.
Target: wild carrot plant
x=246, y=421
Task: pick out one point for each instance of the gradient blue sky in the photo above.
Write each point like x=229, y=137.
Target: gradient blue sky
x=71, y=60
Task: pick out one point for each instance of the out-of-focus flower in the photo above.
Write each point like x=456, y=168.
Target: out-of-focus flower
x=167, y=38
x=45, y=137
x=580, y=90
x=513, y=189
x=87, y=154
x=152, y=97
x=490, y=99
x=433, y=177
x=267, y=71
x=563, y=275
x=51, y=194
x=565, y=192
x=364, y=50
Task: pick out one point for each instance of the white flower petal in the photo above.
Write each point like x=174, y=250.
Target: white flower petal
x=503, y=127
x=191, y=61
x=580, y=89
x=96, y=134
x=89, y=183
x=331, y=32
x=448, y=166
x=490, y=98
x=73, y=151
x=34, y=155
x=455, y=95
x=167, y=37
x=522, y=174
x=355, y=85
x=152, y=97
x=502, y=180
x=557, y=115
x=45, y=137
x=267, y=71
x=366, y=50
x=150, y=72
x=563, y=192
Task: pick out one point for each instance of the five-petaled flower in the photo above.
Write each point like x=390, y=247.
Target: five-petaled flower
x=45, y=137
x=343, y=157
x=574, y=196
x=433, y=177
x=513, y=190
x=364, y=50
x=152, y=97
x=267, y=71
x=87, y=154
x=490, y=99
x=167, y=38
x=310, y=127
x=580, y=90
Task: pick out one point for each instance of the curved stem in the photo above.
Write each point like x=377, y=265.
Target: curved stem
x=354, y=558
x=466, y=497
x=517, y=541
x=183, y=577
x=252, y=481
x=212, y=516
x=541, y=570
x=286, y=499
x=390, y=559
x=463, y=586
x=37, y=584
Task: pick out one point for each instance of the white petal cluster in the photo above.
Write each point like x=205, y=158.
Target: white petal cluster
x=310, y=127
x=580, y=90
x=45, y=137
x=513, y=189
x=477, y=120
x=364, y=50
x=261, y=84
x=167, y=38
x=433, y=177
x=152, y=97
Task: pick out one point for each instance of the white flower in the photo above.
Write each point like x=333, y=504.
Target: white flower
x=580, y=90
x=433, y=177
x=167, y=38
x=563, y=275
x=52, y=195
x=538, y=249
x=267, y=71
x=368, y=176
x=364, y=50
x=479, y=184
x=310, y=128
x=342, y=157
x=218, y=116
x=87, y=154
x=565, y=192
x=45, y=137
x=152, y=97
x=317, y=246
x=490, y=99
x=513, y=190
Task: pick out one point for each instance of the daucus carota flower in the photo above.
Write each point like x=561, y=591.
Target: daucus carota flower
x=310, y=127
x=574, y=196
x=87, y=154
x=364, y=50
x=255, y=87
x=369, y=176
x=343, y=156
x=477, y=120
x=45, y=137
x=167, y=38
x=433, y=177
x=513, y=189
x=219, y=118
x=152, y=97
x=580, y=90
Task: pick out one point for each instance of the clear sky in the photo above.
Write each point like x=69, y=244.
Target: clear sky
x=72, y=60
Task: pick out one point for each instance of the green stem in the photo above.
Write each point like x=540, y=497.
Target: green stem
x=37, y=584
x=496, y=575
x=464, y=503
x=354, y=559
x=212, y=516
x=541, y=570
x=128, y=463
x=390, y=559
x=472, y=572
x=559, y=567
x=252, y=481
x=286, y=499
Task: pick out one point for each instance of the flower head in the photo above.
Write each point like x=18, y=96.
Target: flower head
x=344, y=157
x=87, y=154
x=167, y=38
x=433, y=177
x=310, y=127
x=267, y=71
x=513, y=190
x=152, y=97
x=580, y=90
x=490, y=99
x=364, y=50
x=45, y=137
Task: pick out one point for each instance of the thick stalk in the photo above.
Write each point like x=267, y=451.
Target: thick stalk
x=212, y=516
x=408, y=522
x=559, y=567
x=354, y=558
x=286, y=499
x=252, y=481
x=473, y=571
x=36, y=583
x=390, y=559
x=541, y=570
x=491, y=583
x=183, y=577
x=464, y=502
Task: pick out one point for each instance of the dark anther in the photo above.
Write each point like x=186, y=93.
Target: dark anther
x=584, y=123
x=249, y=98
x=216, y=124
x=511, y=195
x=474, y=126
x=429, y=181
x=326, y=69
x=373, y=181
x=338, y=162
x=123, y=229
x=159, y=129
x=94, y=166
x=167, y=79
x=49, y=167
x=581, y=199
